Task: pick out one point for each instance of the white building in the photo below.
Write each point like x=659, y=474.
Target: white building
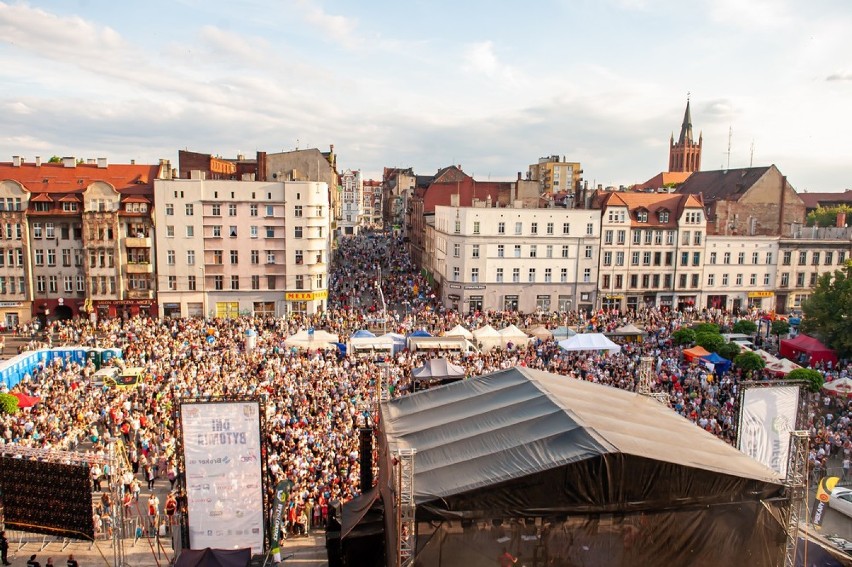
x=739, y=272
x=352, y=202
x=226, y=248
x=515, y=258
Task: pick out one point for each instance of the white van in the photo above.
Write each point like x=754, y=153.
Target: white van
x=741, y=340
x=105, y=375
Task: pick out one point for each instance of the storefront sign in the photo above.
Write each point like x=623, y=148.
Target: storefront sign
x=137, y=302
x=10, y=304
x=454, y=286
x=761, y=294
x=453, y=296
x=474, y=287
x=305, y=295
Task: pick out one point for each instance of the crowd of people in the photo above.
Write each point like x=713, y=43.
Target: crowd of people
x=316, y=400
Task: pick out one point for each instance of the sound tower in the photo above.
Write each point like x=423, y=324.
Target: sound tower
x=366, y=458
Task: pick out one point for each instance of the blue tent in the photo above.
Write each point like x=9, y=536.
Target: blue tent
x=420, y=333
x=363, y=333
x=341, y=347
x=720, y=365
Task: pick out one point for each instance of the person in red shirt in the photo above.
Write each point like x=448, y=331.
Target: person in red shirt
x=507, y=559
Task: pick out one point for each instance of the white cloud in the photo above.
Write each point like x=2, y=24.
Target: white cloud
x=481, y=58
x=334, y=28
x=840, y=76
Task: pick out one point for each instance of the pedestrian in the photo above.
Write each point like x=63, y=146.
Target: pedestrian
x=847, y=463
x=71, y=561
x=49, y=562
x=4, y=548
x=32, y=561
x=150, y=476
x=506, y=559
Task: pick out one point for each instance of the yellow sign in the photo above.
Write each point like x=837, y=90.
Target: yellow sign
x=761, y=293
x=227, y=309
x=305, y=295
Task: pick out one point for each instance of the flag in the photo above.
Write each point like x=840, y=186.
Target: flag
x=823, y=495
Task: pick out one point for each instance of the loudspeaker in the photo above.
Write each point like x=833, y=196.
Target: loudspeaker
x=366, y=457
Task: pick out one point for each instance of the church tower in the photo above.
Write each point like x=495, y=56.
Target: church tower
x=685, y=154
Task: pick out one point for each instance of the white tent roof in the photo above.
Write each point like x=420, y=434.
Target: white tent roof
x=839, y=386
x=372, y=343
x=512, y=332
x=320, y=339
x=541, y=332
x=485, y=332
x=459, y=331
x=589, y=341
x=767, y=358
x=782, y=365
x=629, y=329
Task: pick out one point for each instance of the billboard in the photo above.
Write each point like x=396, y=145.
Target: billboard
x=767, y=416
x=224, y=473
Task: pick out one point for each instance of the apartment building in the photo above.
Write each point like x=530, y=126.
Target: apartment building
x=351, y=202
x=76, y=239
x=372, y=202
x=529, y=259
x=651, y=250
x=228, y=248
x=740, y=272
x=554, y=175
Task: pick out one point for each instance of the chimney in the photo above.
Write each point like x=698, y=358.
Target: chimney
x=69, y=161
x=841, y=220
x=132, y=162
x=102, y=162
x=165, y=171
x=16, y=161
x=454, y=200
x=38, y=161
x=91, y=161
x=519, y=176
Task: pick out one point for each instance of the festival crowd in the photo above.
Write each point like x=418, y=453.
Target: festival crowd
x=316, y=400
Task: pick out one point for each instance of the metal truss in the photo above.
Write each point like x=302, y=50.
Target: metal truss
x=797, y=470
x=405, y=506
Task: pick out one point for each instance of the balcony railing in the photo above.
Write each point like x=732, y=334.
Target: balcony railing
x=137, y=242
x=139, y=268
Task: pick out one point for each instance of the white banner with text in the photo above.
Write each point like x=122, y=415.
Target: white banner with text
x=768, y=417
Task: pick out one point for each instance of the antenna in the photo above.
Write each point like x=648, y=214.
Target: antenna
x=730, y=134
x=751, y=157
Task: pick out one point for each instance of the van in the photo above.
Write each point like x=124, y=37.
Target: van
x=128, y=378
x=105, y=375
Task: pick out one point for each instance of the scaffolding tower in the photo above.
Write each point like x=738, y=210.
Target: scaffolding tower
x=405, y=507
x=646, y=373
x=796, y=481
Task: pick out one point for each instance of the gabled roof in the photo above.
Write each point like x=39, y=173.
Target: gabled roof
x=724, y=184
x=814, y=200
x=672, y=202
x=56, y=178
x=664, y=179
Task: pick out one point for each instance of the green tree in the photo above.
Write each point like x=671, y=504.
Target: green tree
x=748, y=362
x=8, y=404
x=683, y=336
x=709, y=340
x=827, y=216
x=705, y=328
x=780, y=327
x=828, y=311
x=54, y=159
x=729, y=351
x=814, y=378
x=745, y=327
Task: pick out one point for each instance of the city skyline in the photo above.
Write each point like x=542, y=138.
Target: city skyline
x=427, y=85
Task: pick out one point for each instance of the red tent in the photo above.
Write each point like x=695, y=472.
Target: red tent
x=25, y=401
x=813, y=350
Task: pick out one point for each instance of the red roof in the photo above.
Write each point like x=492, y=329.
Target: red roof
x=468, y=190
x=654, y=203
x=42, y=198
x=56, y=178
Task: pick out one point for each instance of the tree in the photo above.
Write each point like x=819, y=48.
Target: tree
x=683, y=336
x=8, y=404
x=705, y=328
x=814, y=378
x=748, y=362
x=55, y=159
x=828, y=311
x=827, y=216
x=729, y=351
x=745, y=327
x=780, y=327
x=709, y=340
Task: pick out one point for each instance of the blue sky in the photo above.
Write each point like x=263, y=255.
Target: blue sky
x=491, y=86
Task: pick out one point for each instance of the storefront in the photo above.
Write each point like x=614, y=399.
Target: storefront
x=685, y=302
x=125, y=308
x=12, y=313
x=227, y=309
x=611, y=301
x=306, y=302
x=760, y=299
x=454, y=300
x=264, y=308
x=171, y=310
x=717, y=302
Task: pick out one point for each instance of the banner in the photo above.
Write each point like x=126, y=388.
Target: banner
x=823, y=495
x=767, y=416
x=282, y=494
x=224, y=488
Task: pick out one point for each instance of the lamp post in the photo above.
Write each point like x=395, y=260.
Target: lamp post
x=382, y=298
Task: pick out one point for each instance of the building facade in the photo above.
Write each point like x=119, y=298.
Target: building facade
x=555, y=175
x=740, y=272
x=230, y=248
x=651, y=251
x=496, y=258
x=352, y=197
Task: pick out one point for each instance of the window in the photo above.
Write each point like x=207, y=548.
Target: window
x=694, y=281
x=769, y=258
x=298, y=232
x=755, y=257
x=474, y=275
x=684, y=258
x=253, y=209
x=300, y=258
x=476, y=227
x=270, y=210
x=172, y=282
x=232, y=231
x=637, y=237
x=36, y=230
x=270, y=232
x=66, y=257
x=456, y=250
x=752, y=280
x=255, y=257
x=685, y=236
x=189, y=209
x=642, y=216
x=217, y=210
x=81, y=284
x=800, y=279
x=587, y=275
x=190, y=231
x=51, y=257
x=534, y=228
x=39, y=257
x=664, y=216
x=590, y=229
x=566, y=228
x=564, y=251
x=658, y=258
x=533, y=251
x=40, y=284
x=726, y=258
x=622, y=236
x=563, y=275
x=235, y=282
x=697, y=237
x=499, y=277
x=607, y=237
x=218, y=282
x=813, y=279
x=270, y=257
x=765, y=279
x=607, y=258
x=456, y=273
x=646, y=258
x=634, y=258
x=711, y=279
x=803, y=258
x=605, y=281
x=53, y=284
x=519, y=228
x=670, y=237
x=255, y=282
x=475, y=251
x=170, y=257
x=787, y=259
x=516, y=275
x=170, y=209
x=741, y=258
x=785, y=279
x=501, y=250
x=190, y=257
x=270, y=282
x=588, y=251
x=682, y=281
x=517, y=250
x=49, y=230
x=235, y=257
x=712, y=257
x=738, y=280
x=696, y=258
x=814, y=256
x=550, y=228
x=297, y=211
x=634, y=281
x=649, y=236
x=531, y=275
x=548, y=251
x=319, y=281
x=170, y=231
x=232, y=209
x=501, y=228
x=548, y=275
x=300, y=281
x=724, y=279
x=829, y=258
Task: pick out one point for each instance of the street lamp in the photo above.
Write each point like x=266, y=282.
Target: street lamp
x=382, y=297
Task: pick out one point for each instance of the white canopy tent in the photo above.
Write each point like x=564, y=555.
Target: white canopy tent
x=589, y=341
x=540, y=332
x=460, y=344
x=304, y=340
x=514, y=336
x=368, y=345
x=487, y=337
x=459, y=331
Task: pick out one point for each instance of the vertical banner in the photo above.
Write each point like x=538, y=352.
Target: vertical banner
x=823, y=495
x=767, y=416
x=224, y=468
x=282, y=494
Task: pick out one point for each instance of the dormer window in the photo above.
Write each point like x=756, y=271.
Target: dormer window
x=664, y=216
x=642, y=216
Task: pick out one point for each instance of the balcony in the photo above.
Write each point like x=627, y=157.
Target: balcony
x=139, y=268
x=139, y=294
x=137, y=242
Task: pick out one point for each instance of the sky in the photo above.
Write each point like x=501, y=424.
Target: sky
x=491, y=86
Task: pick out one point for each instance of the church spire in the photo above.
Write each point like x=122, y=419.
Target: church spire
x=686, y=127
